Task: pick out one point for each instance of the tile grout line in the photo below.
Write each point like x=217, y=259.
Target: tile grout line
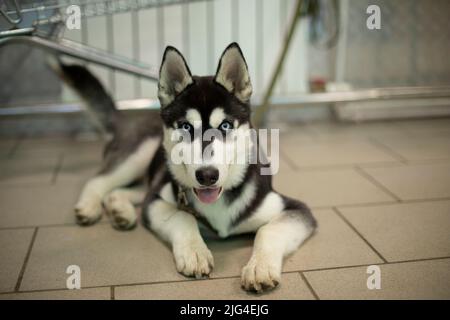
x=15, y=147
x=57, y=168
x=343, y=166
x=56, y=225
x=371, y=179
x=387, y=149
x=336, y=210
x=230, y=277
x=355, y=205
x=316, y=296
x=383, y=203
x=25, y=262
x=329, y=207
x=362, y=165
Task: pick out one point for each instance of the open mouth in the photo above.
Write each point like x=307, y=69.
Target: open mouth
x=208, y=195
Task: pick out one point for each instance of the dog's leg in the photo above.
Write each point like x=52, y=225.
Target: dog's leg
x=180, y=229
x=119, y=204
x=273, y=242
x=89, y=206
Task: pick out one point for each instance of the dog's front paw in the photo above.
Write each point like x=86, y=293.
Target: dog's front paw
x=122, y=212
x=88, y=211
x=260, y=274
x=194, y=260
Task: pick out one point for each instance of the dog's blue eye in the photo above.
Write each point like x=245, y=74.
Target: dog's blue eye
x=225, y=126
x=186, y=126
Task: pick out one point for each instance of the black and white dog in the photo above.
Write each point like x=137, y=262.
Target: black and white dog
x=230, y=197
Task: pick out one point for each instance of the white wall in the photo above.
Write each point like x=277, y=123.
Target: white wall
x=201, y=31
x=410, y=49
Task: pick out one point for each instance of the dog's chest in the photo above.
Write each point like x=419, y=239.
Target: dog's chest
x=221, y=214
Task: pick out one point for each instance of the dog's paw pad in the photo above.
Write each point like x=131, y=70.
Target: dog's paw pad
x=123, y=223
x=260, y=275
x=194, y=261
x=122, y=213
x=88, y=212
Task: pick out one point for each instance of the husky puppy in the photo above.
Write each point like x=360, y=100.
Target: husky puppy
x=178, y=196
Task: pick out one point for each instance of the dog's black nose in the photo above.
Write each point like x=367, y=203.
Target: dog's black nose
x=207, y=176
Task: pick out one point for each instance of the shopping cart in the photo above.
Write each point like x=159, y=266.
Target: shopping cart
x=42, y=23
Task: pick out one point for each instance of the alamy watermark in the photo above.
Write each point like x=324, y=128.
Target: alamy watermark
x=246, y=146
x=374, y=280
x=373, y=21
x=74, y=280
x=73, y=21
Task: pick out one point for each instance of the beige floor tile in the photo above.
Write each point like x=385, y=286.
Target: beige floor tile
x=104, y=255
x=27, y=171
x=329, y=247
x=78, y=168
x=405, y=231
x=412, y=280
x=420, y=147
x=354, y=131
x=37, y=205
x=13, y=249
x=6, y=147
x=421, y=181
x=294, y=137
x=81, y=162
x=85, y=150
x=425, y=127
x=330, y=187
x=101, y=248
x=82, y=294
x=335, y=153
x=56, y=147
x=50, y=147
x=292, y=287
x=230, y=255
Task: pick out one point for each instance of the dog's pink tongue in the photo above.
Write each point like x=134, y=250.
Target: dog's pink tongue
x=208, y=195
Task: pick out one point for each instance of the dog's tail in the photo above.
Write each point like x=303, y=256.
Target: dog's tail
x=99, y=103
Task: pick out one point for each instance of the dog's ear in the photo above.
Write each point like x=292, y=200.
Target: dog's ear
x=174, y=76
x=232, y=73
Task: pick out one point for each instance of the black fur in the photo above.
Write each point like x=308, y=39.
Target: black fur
x=91, y=91
x=204, y=94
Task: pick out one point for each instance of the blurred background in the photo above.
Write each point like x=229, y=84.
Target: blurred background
x=331, y=51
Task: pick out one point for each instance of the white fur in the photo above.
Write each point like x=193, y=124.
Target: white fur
x=227, y=157
x=180, y=229
x=216, y=117
x=194, y=118
x=167, y=195
x=170, y=141
x=120, y=205
x=221, y=214
x=89, y=205
x=273, y=241
x=270, y=208
x=239, y=150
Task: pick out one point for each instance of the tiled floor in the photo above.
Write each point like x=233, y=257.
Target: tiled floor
x=380, y=192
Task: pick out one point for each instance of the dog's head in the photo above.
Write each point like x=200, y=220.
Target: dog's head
x=206, y=122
